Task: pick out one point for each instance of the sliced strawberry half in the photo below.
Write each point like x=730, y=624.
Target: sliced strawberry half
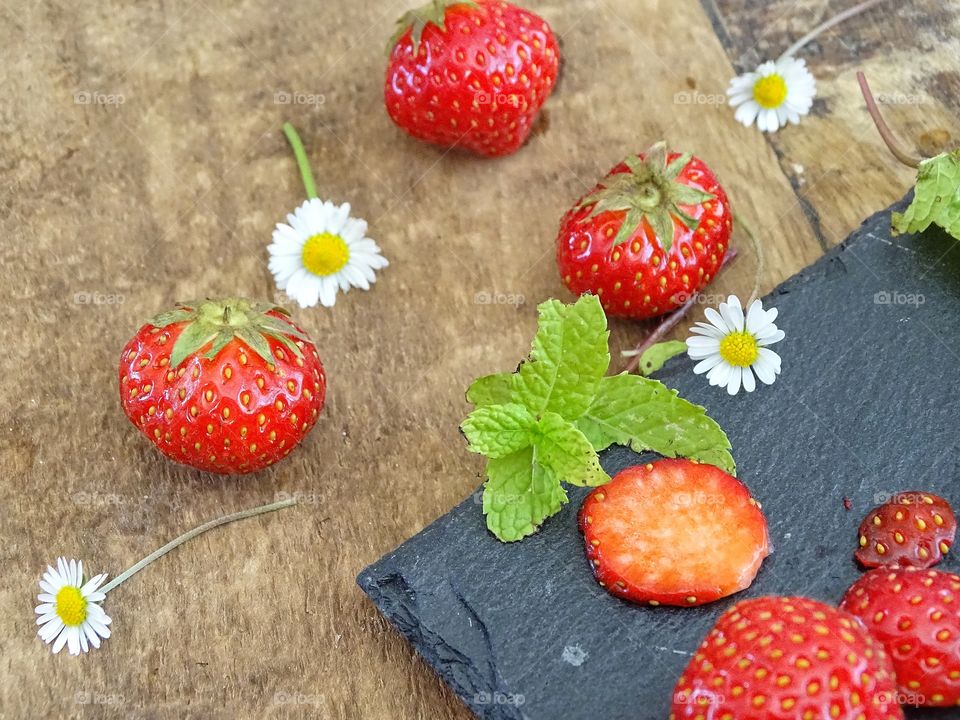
x=911, y=529
x=674, y=532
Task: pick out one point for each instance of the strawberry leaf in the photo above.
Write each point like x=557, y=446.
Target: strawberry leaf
x=498, y=430
x=567, y=361
x=519, y=495
x=936, y=200
x=648, y=416
x=192, y=339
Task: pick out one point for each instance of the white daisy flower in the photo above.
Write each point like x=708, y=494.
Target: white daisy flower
x=774, y=94
x=322, y=250
x=69, y=614
x=732, y=348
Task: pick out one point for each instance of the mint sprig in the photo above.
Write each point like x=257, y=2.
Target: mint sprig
x=543, y=425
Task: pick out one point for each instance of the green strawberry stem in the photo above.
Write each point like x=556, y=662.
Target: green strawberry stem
x=884, y=129
x=824, y=26
x=157, y=554
x=302, y=162
x=671, y=321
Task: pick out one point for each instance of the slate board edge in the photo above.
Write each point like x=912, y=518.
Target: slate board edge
x=384, y=584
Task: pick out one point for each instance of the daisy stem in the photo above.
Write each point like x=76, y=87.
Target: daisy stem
x=758, y=249
x=671, y=320
x=884, y=129
x=832, y=22
x=302, y=162
x=157, y=554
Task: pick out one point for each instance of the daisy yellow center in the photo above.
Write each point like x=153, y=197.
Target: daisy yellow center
x=770, y=91
x=739, y=349
x=325, y=253
x=71, y=606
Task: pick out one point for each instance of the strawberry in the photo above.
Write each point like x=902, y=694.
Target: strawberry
x=226, y=386
x=787, y=658
x=915, y=613
x=674, y=532
x=470, y=74
x=912, y=529
x=648, y=236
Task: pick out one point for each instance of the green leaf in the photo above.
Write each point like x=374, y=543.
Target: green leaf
x=567, y=453
x=498, y=430
x=519, y=495
x=568, y=359
x=222, y=339
x=648, y=416
x=257, y=342
x=654, y=357
x=491, y=390
x=936, y=200
x=663, y=227
x=170, y=317
x=193, y=338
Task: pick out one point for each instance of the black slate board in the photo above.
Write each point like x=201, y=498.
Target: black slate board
x=866, y=406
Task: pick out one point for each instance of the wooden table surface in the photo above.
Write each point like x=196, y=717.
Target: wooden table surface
x=142, y=162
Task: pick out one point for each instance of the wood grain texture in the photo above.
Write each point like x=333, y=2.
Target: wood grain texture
x=141, y=162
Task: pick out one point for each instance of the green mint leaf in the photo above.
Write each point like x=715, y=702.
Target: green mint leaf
x=491, y=390
x=499, y=430
x=936, y=200
x=648, y=416
x=519, y=495
x=567, y=453
x=654, y=357
x=567, y=361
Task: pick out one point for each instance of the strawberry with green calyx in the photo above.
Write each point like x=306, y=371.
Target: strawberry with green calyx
x=226, y=386
x=470, y=74
x=543, y=425
x=649, y=236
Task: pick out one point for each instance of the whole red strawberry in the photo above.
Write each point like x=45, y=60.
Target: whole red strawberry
x=787, y=658
x=648, y=236
x=916, y=614
x=912, y=529
x=227, y=386
x=470, y=74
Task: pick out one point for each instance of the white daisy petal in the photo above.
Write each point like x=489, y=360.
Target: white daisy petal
x=775, y=337
x=707, y=364
x=733, y=383
x=749, y=382
x=717, y=320
x=732, y=313
x=320, y=251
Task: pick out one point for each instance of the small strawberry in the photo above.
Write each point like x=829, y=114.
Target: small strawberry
x=470, y=74
x=674, y=532
x=652, y=233
x=787, y=658
x=915, y=613
x=912, y=529
x=226, y=386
